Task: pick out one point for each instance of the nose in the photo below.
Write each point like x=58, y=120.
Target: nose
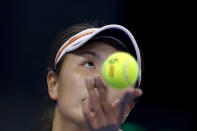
x=97, y=75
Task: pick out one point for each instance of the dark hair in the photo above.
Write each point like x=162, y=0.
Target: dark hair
x=45, y=121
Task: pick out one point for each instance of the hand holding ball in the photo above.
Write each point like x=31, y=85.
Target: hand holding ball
x=120, y=70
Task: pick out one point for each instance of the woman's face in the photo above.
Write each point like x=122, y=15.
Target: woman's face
x=85, y=62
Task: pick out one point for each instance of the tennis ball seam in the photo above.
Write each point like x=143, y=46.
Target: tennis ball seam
x=125, y=73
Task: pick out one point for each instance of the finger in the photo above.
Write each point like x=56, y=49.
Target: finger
x=135, y=93
x=94, y=99
x=86, y=110
x=102, y=90
x=130, y=95
x=123, y=103
x=88, y=115
x=115, y=106
x=106, y=105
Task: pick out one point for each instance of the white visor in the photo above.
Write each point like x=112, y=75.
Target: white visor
x=115, y=31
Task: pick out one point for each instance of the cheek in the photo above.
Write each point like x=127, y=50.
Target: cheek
x=84, y=72
x=71, y=89
x=70, y=97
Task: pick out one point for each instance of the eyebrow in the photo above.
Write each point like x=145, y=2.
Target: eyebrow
x=90, y=53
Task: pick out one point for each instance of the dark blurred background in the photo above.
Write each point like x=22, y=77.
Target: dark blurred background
x=27, y=28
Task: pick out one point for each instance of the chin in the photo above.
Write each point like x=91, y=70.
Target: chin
x=78, y=116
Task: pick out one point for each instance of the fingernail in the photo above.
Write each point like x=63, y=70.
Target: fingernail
x=116, y=101
x=137, y=93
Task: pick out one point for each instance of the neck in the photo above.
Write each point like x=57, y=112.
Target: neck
x=62, y=124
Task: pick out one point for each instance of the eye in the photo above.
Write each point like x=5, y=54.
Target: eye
x=89, y=64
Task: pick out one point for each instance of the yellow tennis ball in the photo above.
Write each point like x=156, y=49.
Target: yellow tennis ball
x=120, y=70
